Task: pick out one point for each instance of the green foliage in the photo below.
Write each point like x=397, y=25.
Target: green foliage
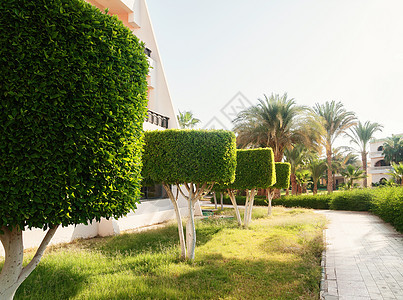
x=240, y=200
x=320, y=201
x=73, y=96
x=356, y=200
x=283, y=171
x=393, y=149
x=198, y=156
x=186, y=120
x=388, y=204
x=254, y=169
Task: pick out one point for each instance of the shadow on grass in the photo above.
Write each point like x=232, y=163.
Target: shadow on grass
x=50, y=281
x=215, y=277
x=161, y=239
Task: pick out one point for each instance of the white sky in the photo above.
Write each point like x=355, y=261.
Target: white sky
x=316, y=51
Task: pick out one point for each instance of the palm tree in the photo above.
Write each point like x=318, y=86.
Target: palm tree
x=360, y=135
x=397, y=172
x=352, y=173
x=334, y=120
x=186, y=120
x=393, y=149
x=317, y=168
x=275, y=122
x=296, y=157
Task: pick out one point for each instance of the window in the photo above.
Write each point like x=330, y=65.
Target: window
x=381, y=163
x=380, y=148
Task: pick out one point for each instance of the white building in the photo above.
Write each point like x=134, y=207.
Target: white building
x=379, y=167
x=156, y=208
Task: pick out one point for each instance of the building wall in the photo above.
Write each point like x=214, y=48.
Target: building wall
x=375, y=155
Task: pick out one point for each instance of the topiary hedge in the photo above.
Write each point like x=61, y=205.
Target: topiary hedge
x=73, y=99
x=198, y=156
x=319, y=201
x=283, y=172
x=254, y=169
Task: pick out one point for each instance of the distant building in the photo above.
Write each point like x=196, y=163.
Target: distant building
x=379, y=168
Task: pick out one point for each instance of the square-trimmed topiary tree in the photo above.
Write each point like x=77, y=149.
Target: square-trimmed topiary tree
x=73, y=100
x=195, y=159
x=283, y=172
x=254, y=170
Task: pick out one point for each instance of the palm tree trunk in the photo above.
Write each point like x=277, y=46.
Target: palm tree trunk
x=315, y=187
x=329, y=171
x=364, y=167
x=293, y=184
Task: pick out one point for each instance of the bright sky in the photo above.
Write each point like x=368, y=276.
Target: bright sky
x=316, y=51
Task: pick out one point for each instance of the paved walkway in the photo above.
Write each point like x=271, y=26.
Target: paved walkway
x=363, y=259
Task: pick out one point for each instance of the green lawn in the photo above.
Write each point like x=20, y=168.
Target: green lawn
x=276, y=258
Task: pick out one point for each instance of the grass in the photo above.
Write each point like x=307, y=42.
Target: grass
x=276, y=258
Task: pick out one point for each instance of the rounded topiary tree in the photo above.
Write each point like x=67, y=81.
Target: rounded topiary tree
x=283, y=172
x=195, y=159
x=254, y=170
x=73, y=99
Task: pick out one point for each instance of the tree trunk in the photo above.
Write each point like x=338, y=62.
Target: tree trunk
x=364, y=167
x=215, y=200
x=233, y=201
x=269, y=197
x=222, y=200
x=293, y=184
x=329, y=171
x=251, y=200
x=191, y=232
x=174, y=201
x=287, y=191
x=245, y=215
x=315, y=187
x=13, y=274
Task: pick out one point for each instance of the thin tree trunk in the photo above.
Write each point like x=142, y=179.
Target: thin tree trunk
x=222, y=200
x=234, y=204
x=191, y=232
x=245, y=215
x=287, y=191
x=364, y=167
x=251, y=200
x=174, y=201
x=13, y=274
x=269, y=208
x=215, y=200
x=329, y=171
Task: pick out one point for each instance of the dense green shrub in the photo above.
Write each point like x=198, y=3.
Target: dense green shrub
x=240, y=200
x=198, y=156
x=355, y=200
x=73, y=99
x=254, y=169
x=388, y=204
x=319, y=201
x=283, y=171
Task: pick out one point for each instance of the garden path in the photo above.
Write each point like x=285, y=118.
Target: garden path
x=363, y=259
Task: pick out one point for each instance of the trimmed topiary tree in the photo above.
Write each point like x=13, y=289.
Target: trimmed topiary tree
x=254, y=170
x=73, y=99
x=195, y=159
x=283, y=172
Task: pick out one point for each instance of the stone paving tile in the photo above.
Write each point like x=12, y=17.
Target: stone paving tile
x=363, y=259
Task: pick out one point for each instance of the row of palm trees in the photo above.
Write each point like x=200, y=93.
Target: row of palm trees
x=293, y=130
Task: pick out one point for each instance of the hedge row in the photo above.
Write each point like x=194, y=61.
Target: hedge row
x=386, y=202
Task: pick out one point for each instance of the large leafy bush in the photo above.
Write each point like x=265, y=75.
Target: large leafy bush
x=388, y=204
x=73, y=96
x=198, y=156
